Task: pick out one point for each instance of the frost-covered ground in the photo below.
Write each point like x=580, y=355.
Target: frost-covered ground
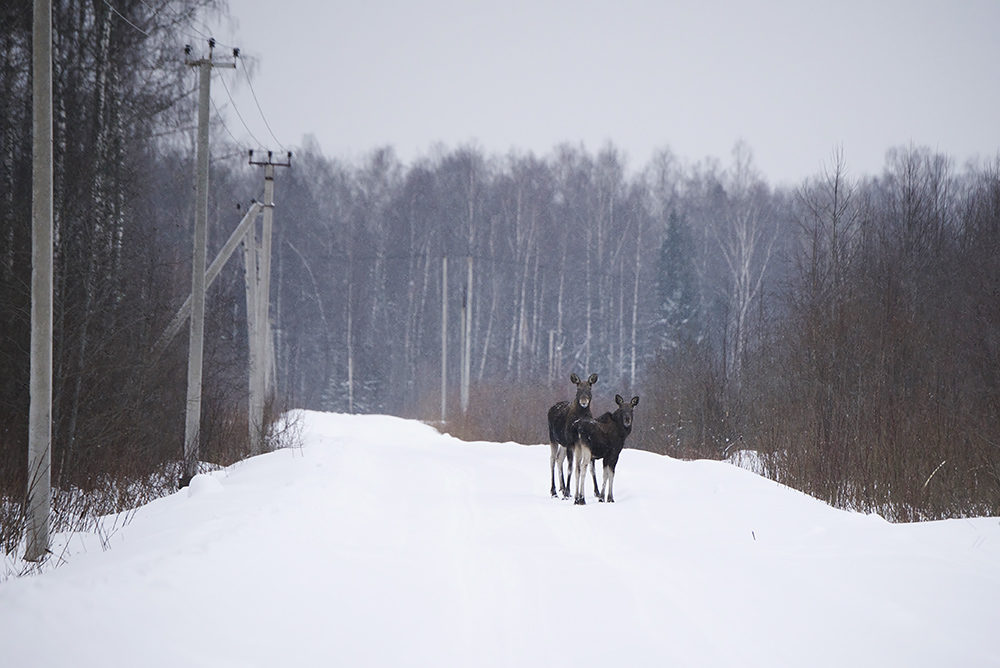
x=381, y=542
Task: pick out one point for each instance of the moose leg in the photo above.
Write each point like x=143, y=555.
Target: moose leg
x=583, y=461
x=609, y=481
x=599, y=493
x=576, y=474
x=567, y=454
x=553, y=458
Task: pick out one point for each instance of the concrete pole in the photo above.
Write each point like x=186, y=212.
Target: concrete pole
x=463, y=391
x=40, y=383
x=261, y=343
x=263, y=315
x=467, y=339
x=350, y=348
x=444, y=338
x=253, y=347
x=552, y=349
x=184, y=312
x=192, y=418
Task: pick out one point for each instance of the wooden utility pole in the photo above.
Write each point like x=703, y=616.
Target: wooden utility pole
x=258, y=307
x=192, y=418
x=40, y=383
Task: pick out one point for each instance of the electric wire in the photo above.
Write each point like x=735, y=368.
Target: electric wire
x=261, y=111
x=226, y=127
x=246, y=74
x=122, y=17
x=238, y=114
x=189, y=21
x=178, y=18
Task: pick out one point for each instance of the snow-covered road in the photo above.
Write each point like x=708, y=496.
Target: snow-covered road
x=382, y=542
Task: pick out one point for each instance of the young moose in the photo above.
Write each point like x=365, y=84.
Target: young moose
x=562, y=434
x=603, y=438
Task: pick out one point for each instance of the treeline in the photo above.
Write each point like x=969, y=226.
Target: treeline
x=546, y=255
x=845, y=331
x=878, y=386
x=563, y=263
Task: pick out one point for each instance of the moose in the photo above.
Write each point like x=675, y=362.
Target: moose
x=562, y=432
x=601, y=438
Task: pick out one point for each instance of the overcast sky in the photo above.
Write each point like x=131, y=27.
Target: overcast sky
x=793, y=79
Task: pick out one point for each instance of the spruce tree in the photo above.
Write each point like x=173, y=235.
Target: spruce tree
x=677, y=301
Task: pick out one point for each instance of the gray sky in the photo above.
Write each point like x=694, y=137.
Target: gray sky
x=793, y=79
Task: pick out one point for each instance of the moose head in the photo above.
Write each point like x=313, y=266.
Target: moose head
x=625, y=410
x=583, y=393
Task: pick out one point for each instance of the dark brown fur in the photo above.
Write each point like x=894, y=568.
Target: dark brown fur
x=603, y=438
x=562, y=433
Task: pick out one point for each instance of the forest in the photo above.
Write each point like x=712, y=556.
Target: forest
x=842, y=334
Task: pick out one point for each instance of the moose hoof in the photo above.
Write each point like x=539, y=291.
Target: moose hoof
x=580, y=502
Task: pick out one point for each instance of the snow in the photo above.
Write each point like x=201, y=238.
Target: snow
x=382, y=542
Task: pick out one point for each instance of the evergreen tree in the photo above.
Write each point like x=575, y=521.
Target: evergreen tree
x=676, y=287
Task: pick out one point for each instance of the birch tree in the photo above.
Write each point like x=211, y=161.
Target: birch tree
x=746, y=240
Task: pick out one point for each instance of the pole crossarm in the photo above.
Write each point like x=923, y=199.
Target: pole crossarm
x=269, y=161
x=184, y=312
x=231, y=64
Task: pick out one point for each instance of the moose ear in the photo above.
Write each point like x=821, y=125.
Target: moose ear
x=573, y=378
x=619, y=400
x=593, y=378
x=635, y=401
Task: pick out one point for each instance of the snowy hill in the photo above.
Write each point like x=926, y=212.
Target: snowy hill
x=381, y=542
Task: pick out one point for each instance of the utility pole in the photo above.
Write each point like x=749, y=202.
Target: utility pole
x=184, y=312
x=253, y=347
x=466, y=339
x=40, y=383
x=350, y=348
x=192, y=418
x=552, y=348
x=444, y=338
x=258, y=312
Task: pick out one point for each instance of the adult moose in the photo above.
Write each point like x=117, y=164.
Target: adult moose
x=603, y=438
x=562, y=433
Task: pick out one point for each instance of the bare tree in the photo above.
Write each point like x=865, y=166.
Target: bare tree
x=746, y=239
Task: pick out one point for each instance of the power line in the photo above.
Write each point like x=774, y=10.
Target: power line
x=189, y=21
x=122, y=17
x=342, y=254
x=263, y=118
x=238, y=115
x=155, y=12
x=177, y=19
x=226, y=127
